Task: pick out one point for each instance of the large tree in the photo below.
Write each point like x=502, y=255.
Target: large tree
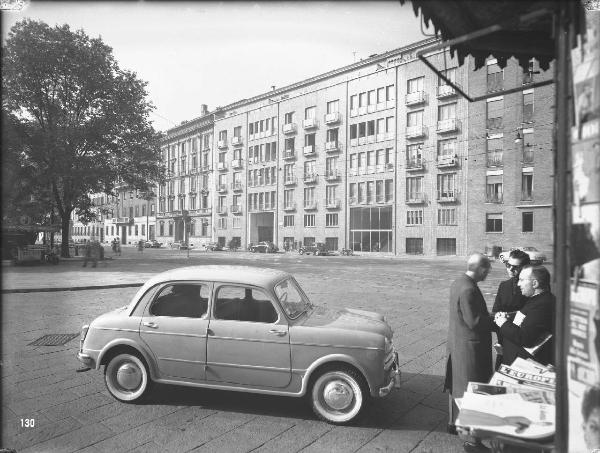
x=82, y=120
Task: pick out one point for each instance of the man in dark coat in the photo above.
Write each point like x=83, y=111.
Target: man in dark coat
x=533, y=322
x=469, y=337
x=508, y=297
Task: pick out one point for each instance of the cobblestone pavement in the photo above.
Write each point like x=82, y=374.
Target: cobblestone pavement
x=74, y=412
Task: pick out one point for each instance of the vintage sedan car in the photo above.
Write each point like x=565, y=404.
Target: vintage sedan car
x=153, y=243
x=264, y=247
x=242, y=329
x=214, y=247
x=317, y=249
x=535, y=256
x=180, y=245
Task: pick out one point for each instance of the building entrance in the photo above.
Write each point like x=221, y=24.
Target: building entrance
x=371, y=229
x=123, y=234
x=262, y=227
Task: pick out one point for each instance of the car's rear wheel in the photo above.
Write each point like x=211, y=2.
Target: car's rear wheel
x=126, y=377
x=301, y=252
x=338, y=395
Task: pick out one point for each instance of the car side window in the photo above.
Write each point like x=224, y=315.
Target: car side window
x=239, y=303
x=184, y=300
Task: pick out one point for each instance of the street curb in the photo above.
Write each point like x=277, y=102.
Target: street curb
x=72, y=288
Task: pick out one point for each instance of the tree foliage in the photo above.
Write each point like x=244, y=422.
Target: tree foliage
x=82, y=121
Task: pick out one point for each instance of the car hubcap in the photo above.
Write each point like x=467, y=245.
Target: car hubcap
x=129, y=376
x=338, y=395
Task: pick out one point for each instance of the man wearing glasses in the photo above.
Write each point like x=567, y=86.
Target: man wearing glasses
x=508, y=297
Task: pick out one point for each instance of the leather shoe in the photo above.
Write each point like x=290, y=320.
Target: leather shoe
x=451, y=429
x=476, y=447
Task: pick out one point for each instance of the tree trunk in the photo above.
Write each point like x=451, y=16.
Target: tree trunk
x=65, y=223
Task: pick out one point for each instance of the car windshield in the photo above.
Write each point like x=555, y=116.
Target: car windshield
x=529, y=249
x=291, y=297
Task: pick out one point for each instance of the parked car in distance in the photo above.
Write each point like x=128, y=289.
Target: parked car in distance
x=180, y=245
x=214, y=247
x=264, y=247
x=153, y=243
x=535, y=256
x=265, y=337
x=316, y=249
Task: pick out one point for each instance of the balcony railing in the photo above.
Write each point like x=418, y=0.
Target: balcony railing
x=309, y=123
x=289, y=206
x=493, y=198
x=414, y=164
x=495, y=160
x=204, y=211
x=418, y=97
x=446, y=197
x=528, y=156
x=446, y=161
x=308, y=150
x=221, y=210
x=310, y=178
x=222, y=188
x=309, y=205
x=222, y=144
x=235, y=209
x=205, y=168
x=236, y=141
x=415, y=198
x=445, y=91
x=221, y=166
x=416, y=131
x=290, y=180
x=333, y=117
x=237, y=186
x=333, y=204
x=289, y=154
x=448, y=125
x=236, y=163
x=332, y=175
x=526, y=196
x=332, y=146
x=289, y=128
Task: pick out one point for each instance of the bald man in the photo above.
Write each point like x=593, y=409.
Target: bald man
x=469, y=344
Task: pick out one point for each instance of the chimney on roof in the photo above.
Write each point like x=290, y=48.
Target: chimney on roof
x=272, y=87
x=203, y=109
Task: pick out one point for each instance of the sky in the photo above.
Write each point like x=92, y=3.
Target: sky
x=216, y=53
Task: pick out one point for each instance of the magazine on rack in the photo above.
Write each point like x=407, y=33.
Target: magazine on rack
x=527, y=373
x=529, y=394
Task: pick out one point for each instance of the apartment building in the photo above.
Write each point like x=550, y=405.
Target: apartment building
x=378, y=156
x=185, y=201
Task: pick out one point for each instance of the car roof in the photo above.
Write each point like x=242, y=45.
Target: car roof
x=221, y=273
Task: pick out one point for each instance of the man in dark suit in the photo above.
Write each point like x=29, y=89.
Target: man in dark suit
x=469, y=338
x=533, y=322
x=508, y=297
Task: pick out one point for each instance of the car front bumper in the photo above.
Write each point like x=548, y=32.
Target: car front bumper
x=86, y=359
x=394, y=378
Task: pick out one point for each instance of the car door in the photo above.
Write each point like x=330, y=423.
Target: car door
x=248, y=338
x=174, y=328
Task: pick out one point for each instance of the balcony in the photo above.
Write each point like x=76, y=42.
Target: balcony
x=193, y=171
x=289, y=206
x=221, y=166
x=493, y=198
x=221, y=144
x=333, y=204
x=236, y=141
x=418, y=97
x=204, y=211
x=310, y=178
x=310, y=205
x=235, y=209
x=352, y=201
x=447, y=197
x=332, y=175
x=309, y=123
x=222, y=188
x=415, y=164
x=389, y=166
x=121, y=220
x=205, y=168
x=446, y=91
x=449, y=125
x=353, y=112
x=289, y=154
x=332, y=146
x=236, y=163
x=416, y=198
x=309, y=150
x=204, y=190
x=527, y=156
x=290, y=180
x=446, y=161
x=353, y=141
x=416, y=131
x=495, y=160
x=237, y=186
x=332, y=118
x=289, y=128
x=221, y=210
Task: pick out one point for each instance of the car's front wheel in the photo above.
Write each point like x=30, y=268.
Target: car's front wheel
x=338, y=395
x=126, y=377
x=301, y=252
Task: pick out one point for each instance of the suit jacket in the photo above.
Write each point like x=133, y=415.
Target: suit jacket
x=508, y=298
x=539, y=319
x=469, y=337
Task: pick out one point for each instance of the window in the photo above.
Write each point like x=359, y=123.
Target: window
x=495, y=112
x=309, y=196
x=331, y=220
x=495, y=152
x=161, y=228
x=239, y=303
x=414, y=119
x=414, y=246
x=353, y=131
x=527, y=224
x=527, y=185
x=330, y=192
x=353, y=102
x=332, y=135
x=528, y=107
x=450, y=74
x=493, y=223
x=447, y=216
x=223, y=135
x=310, y=168
x=389, y=93
x=310, y=112
x=380, y=95
x=309, y=140
x=309, y=220
x=331, y=243
x=415, y=85
x=446, y=246
x=446, y=185
x=447, y=147
x=181, y=300
x=494, y=189
x=289, y=118
x=371, y=128
x=495, y=77
x=414, y=217
x=414, y=156
x=333, y=106
x=362, y=99
x=222, y=223
x=237, y=131
x=371, y=100
x=447, y=112
x=289, y=146
x=288, y=220
x=414, y=188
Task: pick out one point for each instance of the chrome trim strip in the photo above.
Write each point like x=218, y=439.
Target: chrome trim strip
x=169, y=359
x=175, y=334
x=337, y=346
x=116, y=329
x=250, y=340
x=248, y=367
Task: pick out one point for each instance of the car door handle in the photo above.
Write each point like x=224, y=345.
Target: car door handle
x=152, y=325
x=279, y=333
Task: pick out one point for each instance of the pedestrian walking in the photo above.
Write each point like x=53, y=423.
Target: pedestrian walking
x=509, y=298
x=532, y=327
x=113, y=246
x=469, y=344
x=87, y=252
x=140, y=246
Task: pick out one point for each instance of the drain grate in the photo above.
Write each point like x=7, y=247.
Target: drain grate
x=56, y=339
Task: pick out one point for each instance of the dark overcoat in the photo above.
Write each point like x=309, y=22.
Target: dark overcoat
x=539, y=312
x=469, y=344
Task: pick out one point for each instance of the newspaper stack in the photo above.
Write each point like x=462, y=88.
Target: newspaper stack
x=518, y=401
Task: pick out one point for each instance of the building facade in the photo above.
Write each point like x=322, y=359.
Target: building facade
x=378, y=156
